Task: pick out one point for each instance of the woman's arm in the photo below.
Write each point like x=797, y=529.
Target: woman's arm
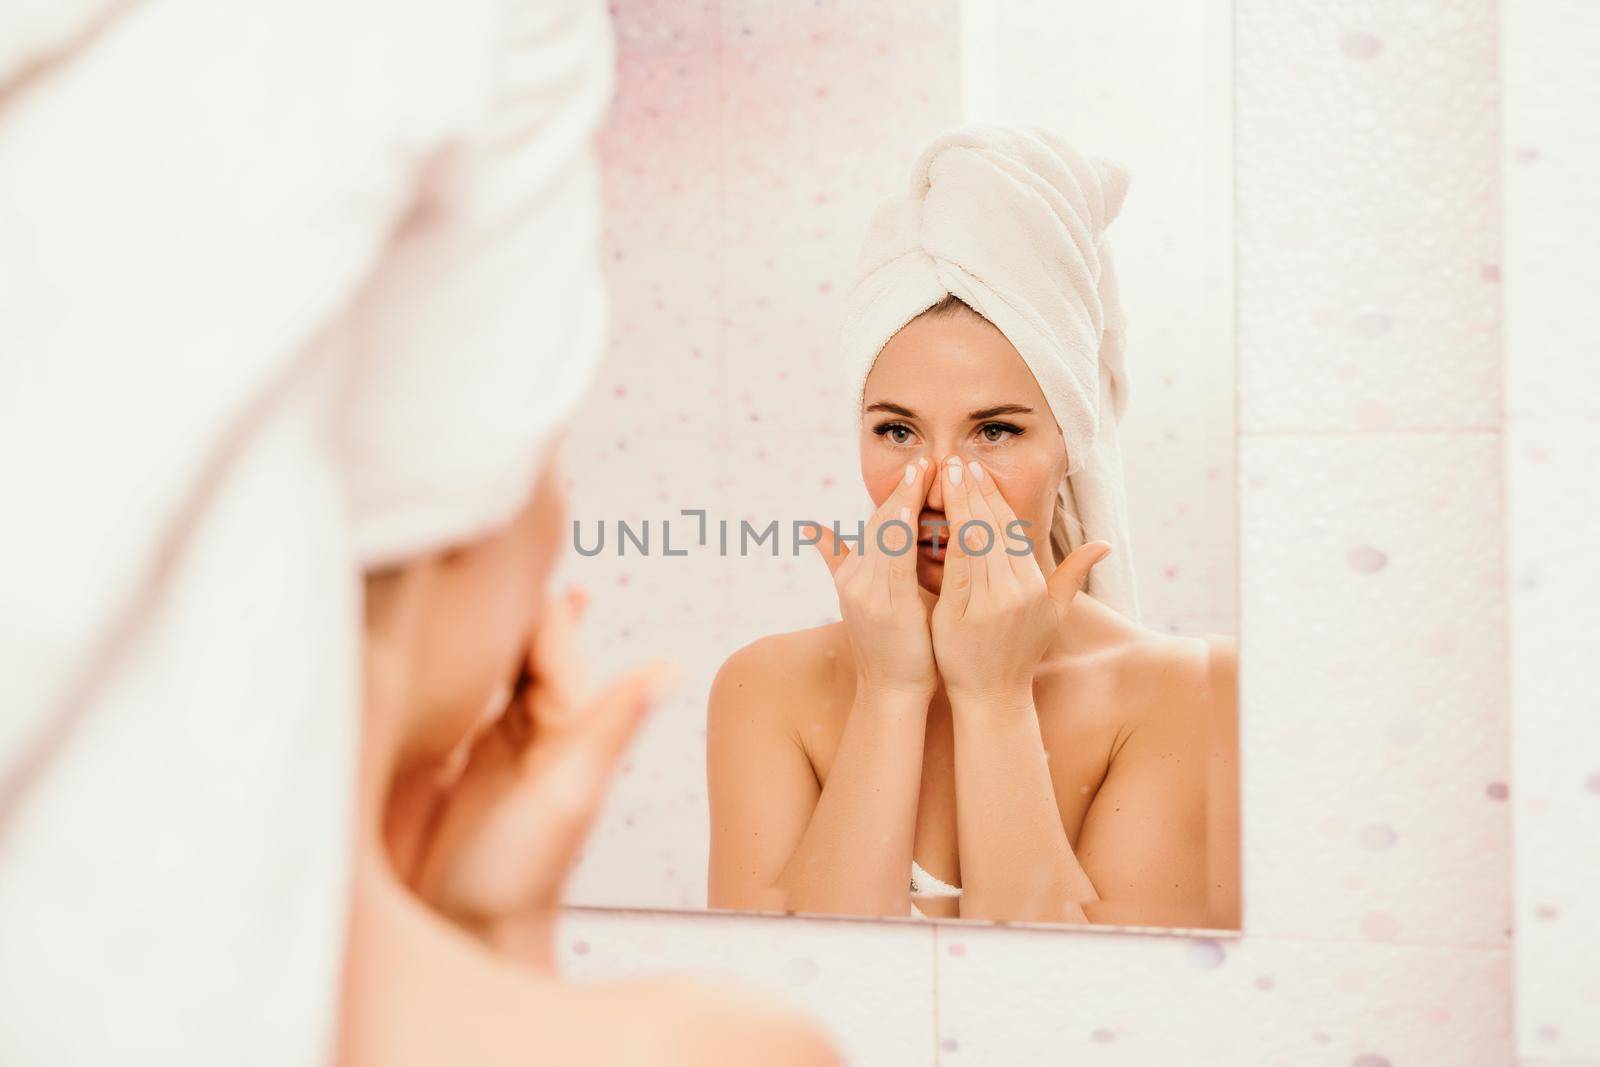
x=995, y=617
x=780, y=842
x=777, y=839
x=1160, y=840
x=1016, y=861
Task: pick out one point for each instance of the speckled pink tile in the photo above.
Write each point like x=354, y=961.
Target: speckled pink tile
x=1108, y=999
x=646, y=26
x=649, y=844
x=1183, y=518
x=824, y=22
x=663, y=374
x=1368, y=211
x=799, y=161
x=1374, y=724
x=660, y=149
x=870, y=985
x=783, y=303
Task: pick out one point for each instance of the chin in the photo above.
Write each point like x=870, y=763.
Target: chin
x=930, y=575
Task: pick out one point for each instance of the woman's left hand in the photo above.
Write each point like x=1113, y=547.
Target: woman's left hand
x=997, y=612
x=490, y=841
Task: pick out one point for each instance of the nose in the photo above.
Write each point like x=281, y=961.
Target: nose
x=936, y=491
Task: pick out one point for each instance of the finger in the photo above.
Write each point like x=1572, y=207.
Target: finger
x=1069, y=576
x=1004, y=517
x=556, y=665
x=606, y=724
x=569, y=780
x=903, y=547
x=902, y=562
x=514, y=857
x=833, y=551
x=909, y=491
x=489, y=722
x=956, y=488
x=962, y=575
x=996, y=564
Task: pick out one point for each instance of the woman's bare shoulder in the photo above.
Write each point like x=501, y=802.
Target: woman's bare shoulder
x=797, y=664
x=1179, y=679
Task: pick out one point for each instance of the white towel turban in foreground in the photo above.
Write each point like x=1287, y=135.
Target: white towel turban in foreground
x=1012, y=222
x=482, y=331
x=232, y=231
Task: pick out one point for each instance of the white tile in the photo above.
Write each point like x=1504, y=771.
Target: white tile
x=1552, y=212
x=1373, y=691
x=1368, y=215
x=1555, y=674
x=870, y=984
x=1020, y=998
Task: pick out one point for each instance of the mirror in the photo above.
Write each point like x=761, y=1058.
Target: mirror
x=745, y=160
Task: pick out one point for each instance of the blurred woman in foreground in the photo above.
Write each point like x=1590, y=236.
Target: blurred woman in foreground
x=245, y=247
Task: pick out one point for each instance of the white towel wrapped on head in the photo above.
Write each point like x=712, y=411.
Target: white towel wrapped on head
x=1012, y=221
x=296, y=184
x=474, y=345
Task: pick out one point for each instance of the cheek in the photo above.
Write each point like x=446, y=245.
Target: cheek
x=1028, y=486
x=880, y=473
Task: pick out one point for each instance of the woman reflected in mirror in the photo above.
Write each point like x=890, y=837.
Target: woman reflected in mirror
x=982, y=735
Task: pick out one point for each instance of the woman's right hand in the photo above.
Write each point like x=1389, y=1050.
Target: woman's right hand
x=879, y=598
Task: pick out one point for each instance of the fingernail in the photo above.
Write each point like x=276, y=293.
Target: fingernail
x=955, y=471
x=922, y=461
x=905, y=515
x=911, y=474
x=977, y=471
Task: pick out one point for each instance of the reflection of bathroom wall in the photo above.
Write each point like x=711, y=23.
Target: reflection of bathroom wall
x=1149, y=85
x=1378, y=789
x=747, y=146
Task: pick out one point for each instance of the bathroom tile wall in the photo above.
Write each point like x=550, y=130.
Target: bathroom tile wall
x=1549, y=156
x=1390, y=624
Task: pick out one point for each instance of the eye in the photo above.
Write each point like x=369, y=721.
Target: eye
x=998, y=433
x=896, y=433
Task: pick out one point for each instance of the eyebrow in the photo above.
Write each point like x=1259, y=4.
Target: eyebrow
x=973, y=416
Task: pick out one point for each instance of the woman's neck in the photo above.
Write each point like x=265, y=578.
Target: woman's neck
x=1089, y=627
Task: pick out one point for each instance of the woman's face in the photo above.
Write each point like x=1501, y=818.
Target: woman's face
x=487, y=601
x=951, y=384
